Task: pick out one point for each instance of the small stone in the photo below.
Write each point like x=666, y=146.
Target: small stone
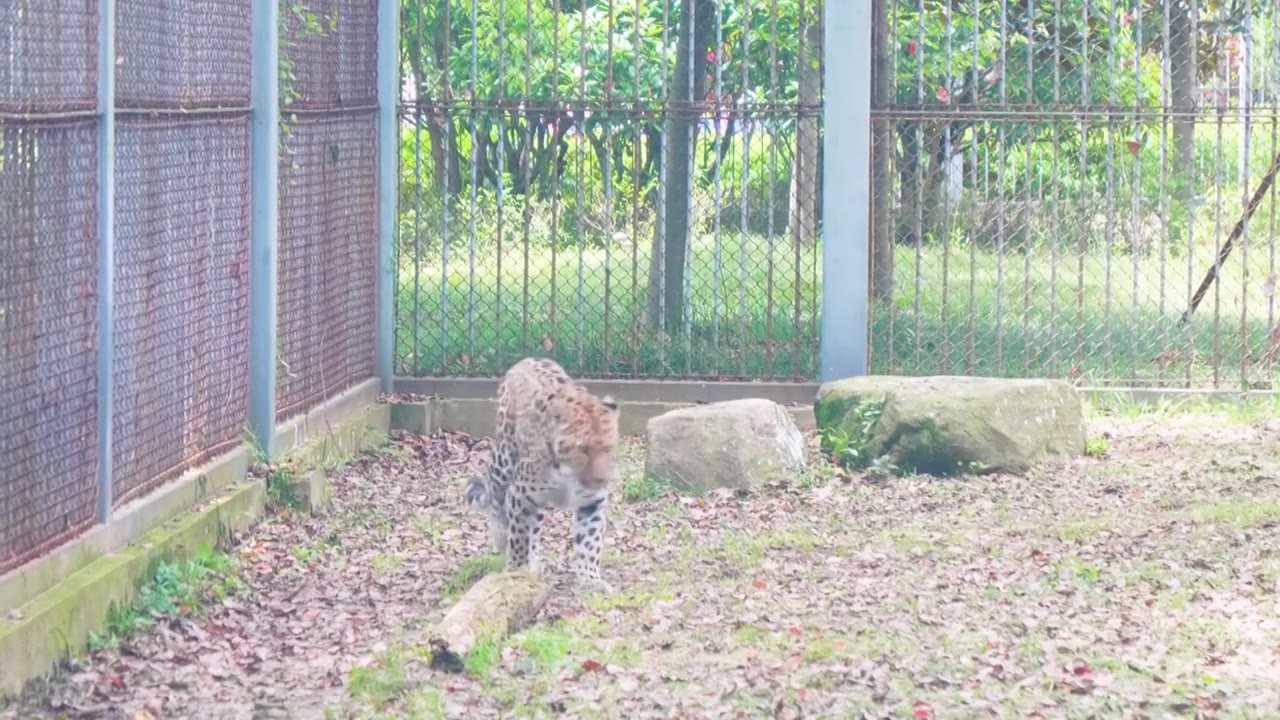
x=311, y=489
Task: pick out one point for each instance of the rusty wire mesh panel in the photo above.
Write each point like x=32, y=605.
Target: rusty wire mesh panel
x=554, y=200
x=330, y=54
x=182, y=295
x=327, y=293
x=1053, y=181
x=189, y=54
x=48, y=55
x=48, y=335
x=328, y=267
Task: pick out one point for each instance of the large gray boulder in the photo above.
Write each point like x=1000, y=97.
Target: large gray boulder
x=944, y=425
x=734, y=444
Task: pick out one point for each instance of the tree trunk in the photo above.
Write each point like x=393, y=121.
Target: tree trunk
x=882, y=150
x=671, y=234
x=804, y=174
x=605, y=158
x=414, y=49
x=1183, y=87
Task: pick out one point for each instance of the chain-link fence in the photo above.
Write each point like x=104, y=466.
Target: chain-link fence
x=1060, y=189
x=182, y=236
x=48, y=276
x=179, y=336
x=328, y=201
x=628, y=186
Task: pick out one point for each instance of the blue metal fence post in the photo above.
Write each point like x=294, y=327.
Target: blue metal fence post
x=388, y=182
x=106, y=250
x=846, y=182
x=264, y=148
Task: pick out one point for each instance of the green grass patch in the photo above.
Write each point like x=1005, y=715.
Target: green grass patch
x=909, y=540
x=1241, y=513
x=629, y=600
x=482, y=659
x=1074, y=570
x=384, y=564
x=470, y=572
x=546, y=647
x=172, y=589
x=280, y=494
x=1084, y=530
x=956, y=309
x=642, y=488
x=1096, y=447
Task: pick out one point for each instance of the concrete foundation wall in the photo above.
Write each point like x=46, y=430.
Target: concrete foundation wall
x=478, y=416
x=466, y=404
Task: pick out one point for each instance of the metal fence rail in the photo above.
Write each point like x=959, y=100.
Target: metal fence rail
x=630, y=187
x=1053, y=182
x=131, y=255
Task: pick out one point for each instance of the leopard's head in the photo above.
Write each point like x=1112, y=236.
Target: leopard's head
x=583, y=449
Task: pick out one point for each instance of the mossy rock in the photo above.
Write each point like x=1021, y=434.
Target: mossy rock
x=946, y=425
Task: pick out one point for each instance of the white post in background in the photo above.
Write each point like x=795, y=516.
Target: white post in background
x=106, y=250
x=846, y=188
x=264, y=147
x=388, y=183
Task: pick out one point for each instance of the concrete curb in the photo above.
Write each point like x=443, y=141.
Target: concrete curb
x=476, y=416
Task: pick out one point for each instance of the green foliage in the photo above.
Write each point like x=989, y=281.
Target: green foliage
x=481, y=659
x=491, y=174
x=596, y=48
x=854, y=449
x=472, y=569
x=172, y=589
x=1096, y=446
x=298, y=23
x=643, y=488
x=280, y=494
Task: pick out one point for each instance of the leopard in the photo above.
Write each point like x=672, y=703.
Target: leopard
x=554, y=444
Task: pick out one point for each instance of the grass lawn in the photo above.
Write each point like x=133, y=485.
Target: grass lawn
x=955, y=310
x=1142, y=579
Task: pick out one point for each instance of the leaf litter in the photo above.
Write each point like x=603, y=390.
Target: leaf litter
x=1142, y=584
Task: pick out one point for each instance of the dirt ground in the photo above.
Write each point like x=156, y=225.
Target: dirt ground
x=1142, y=582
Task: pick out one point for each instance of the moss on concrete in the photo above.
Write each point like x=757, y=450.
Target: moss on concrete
x=337, y=444
x=59, y=622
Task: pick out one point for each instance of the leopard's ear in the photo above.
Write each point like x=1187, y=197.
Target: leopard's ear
x=609, y=402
